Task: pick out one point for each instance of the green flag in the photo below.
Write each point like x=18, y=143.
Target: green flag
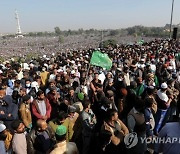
x=141, y=42
x=101, y=59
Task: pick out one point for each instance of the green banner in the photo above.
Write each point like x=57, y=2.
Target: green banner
x=101, y=59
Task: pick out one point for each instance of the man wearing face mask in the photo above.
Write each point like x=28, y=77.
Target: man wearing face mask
x=28, y=85
x=34, y=89
x=25, y=77
x=120, y=83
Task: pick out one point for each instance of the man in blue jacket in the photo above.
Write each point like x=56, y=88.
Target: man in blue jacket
x=8, y=110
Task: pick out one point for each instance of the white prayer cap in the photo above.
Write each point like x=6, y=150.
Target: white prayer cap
x=164, y=85
x=73, y=62
x=73, y=72
x=2, y=127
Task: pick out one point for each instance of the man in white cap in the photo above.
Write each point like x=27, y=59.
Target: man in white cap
x=163, y=103
x=2, y=139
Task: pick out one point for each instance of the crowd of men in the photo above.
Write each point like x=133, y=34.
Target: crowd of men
x=62, y=104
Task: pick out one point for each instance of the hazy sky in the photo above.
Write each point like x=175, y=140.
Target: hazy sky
x=44, y=15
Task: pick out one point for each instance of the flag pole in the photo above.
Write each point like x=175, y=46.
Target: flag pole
x=171, y=18
x=87, y=73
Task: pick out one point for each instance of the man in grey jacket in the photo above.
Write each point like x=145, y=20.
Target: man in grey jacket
x=88, y=126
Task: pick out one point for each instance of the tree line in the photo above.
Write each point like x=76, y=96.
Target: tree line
x=135, y=31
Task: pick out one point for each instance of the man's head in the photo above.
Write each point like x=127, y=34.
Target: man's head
x=71, y=111
x=149, y=102
x=4, y=84
x=126, y=69
x=110, y=82
x=61, y=133
x=53, y=90
x=99, y=87
x=164, y=86
x=27, y=99
x=109, y=75
x=96, y=76
x=40, y=95
x=2, y=127
x=2, y=93
x=86, y=105
x=61, y=117
x=150, y=90
x=112, y=115
x=44, y=69
x=139, y=105
x=110, y=95
x=71, y=91
x=81, y=96
x=51, y=83
x=41, y=125
x=139, y=80
x=171, y=82
x=26, y=75
x=17, y=83
x=18, y=126
x=28, y=83
x=22, y=92
x=3, y=135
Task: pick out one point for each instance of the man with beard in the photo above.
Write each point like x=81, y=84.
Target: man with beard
x=41, y=108
x=110, y=86
x=52, y=83
x=19, y=144
x=53, y=97
x=71, y=97
x=108, y=77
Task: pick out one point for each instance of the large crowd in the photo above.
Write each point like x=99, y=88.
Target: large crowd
x=19, y=47
x=59, y=103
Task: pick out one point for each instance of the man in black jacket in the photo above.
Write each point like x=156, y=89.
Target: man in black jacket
x=41, y=139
